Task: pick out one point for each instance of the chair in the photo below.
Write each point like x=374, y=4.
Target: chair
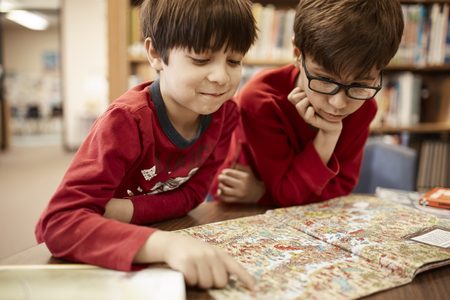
x=388, y=166
x=33, y=118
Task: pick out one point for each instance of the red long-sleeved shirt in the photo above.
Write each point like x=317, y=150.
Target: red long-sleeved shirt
x=278, y=144
x=134, y=152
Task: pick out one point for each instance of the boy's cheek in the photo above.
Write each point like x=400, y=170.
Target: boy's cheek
x=301, y=83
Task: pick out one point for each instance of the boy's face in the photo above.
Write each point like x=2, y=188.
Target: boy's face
x=334, y=108
x=199, y=83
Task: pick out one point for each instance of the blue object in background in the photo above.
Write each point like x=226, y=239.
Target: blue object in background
x=388, y=166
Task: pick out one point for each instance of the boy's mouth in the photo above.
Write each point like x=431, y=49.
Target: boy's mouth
x=332, y=117
x=214, y=94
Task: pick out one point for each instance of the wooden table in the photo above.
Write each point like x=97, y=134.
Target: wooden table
x=430, y=285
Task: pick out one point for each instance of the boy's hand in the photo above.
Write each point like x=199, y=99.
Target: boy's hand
x=329, y=132
x=202, y=264
x=239, y=185
x=298, y=97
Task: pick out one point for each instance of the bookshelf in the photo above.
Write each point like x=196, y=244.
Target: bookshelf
x=423, y=72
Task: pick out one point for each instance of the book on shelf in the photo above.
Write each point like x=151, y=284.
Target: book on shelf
x=399, y=100
x=343, y=248
x=76, y=281
x=433, y=164
x=275, y=33
x=425, y=37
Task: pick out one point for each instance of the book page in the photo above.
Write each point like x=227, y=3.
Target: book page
x=439, y=237
x=288, y=263
x=80, y=282
x=371, y=228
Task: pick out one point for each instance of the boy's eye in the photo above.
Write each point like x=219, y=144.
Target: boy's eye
x=235, y=62
x=200, y=61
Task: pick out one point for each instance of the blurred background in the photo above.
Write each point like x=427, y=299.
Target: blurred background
x=53, y=86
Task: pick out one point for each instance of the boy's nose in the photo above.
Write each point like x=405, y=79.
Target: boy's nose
x=338, y=100
x=219, y=74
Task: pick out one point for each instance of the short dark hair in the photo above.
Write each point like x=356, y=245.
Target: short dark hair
x=349, y=36
x=198, y=25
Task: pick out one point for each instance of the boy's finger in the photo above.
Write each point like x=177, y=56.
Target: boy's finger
x=228, y=180
x=235, y=268
x=237, y=173
x=309, y=113
x=226, y=190
x=244, y=168
x=205, y=278
x=302, y=106
x=190, y=274
x=220, y=276
x=295, y=95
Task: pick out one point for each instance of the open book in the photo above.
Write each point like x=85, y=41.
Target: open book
x=344, y=248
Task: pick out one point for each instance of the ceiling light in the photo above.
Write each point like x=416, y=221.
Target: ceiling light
x=6, y=6
x=28, y=19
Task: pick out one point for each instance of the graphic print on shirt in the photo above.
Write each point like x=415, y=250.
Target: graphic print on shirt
x=172, y=183
x=166, y=170
x=149, y=173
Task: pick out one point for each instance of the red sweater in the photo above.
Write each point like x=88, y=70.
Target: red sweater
x=278, y=144
x=132, y=151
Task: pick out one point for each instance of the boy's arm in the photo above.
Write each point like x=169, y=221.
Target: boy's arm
x=328, y=132
x=73, y=225
x=293, y=178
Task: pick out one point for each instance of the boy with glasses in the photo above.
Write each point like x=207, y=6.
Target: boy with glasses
x=303, y=126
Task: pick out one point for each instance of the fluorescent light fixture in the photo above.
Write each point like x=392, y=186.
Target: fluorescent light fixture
x=28, y=19
x=6, y=6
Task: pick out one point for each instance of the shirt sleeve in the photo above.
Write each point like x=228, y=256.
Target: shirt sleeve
x=153, y=208
x=300, y=177
x=73, y=226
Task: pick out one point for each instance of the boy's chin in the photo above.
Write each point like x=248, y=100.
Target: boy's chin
x=209, y=110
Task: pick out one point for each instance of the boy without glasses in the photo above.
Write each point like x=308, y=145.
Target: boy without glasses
x=152, y=154
x=303, y=126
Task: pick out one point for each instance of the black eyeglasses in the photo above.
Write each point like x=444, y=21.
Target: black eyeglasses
x=329, y=87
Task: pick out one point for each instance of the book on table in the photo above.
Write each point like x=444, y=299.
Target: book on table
x=343, y=248
x=83, y=282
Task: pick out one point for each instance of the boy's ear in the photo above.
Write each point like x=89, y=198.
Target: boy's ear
x=153, y=56
x=297, y=53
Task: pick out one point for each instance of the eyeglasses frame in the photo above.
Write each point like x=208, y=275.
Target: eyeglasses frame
x=340, y=86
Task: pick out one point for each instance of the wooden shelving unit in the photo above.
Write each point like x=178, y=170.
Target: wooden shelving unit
x=420, y=128
x=118, y=64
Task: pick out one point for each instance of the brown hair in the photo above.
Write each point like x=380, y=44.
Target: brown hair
x=198, y=25
x=349, y=36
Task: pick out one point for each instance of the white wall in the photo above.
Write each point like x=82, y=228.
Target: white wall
x=28, y=80
x=23, y=48
x=84, y=63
